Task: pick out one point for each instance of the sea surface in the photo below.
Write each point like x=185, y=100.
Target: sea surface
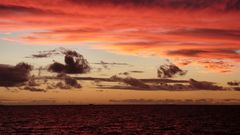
x=121, y=119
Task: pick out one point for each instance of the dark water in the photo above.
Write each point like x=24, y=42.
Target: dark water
x=114, y=120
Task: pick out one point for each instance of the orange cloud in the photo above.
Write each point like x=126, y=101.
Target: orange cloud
x=168, y=28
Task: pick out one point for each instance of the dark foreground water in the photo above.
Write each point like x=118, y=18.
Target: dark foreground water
x=114, y=120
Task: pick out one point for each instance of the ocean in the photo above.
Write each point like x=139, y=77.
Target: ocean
x=121, y=120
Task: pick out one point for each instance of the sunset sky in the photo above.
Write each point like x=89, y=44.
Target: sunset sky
x=128, y=39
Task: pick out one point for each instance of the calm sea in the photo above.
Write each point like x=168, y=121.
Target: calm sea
x=121, y=119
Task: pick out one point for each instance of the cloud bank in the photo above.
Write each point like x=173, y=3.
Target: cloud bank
x=167, y=28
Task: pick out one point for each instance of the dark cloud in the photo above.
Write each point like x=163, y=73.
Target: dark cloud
x=236, y=88
x=111, y=63
x=76, y=30
x=72, y=82
x=40, y=55
x=125, y=83
x=208, y=33
x=69, y=82
x=103, y=64
x=106, y=65
x=173, y=4
x=233, y=5
x=130, y=72
x=34, y=89
x=62, y=85
x=19, y=9
x=124, y=73
x=117, y=78
x=32, y=82
x=14, y=75
x=144, y=84
x=234, y=83
x=131, y=81
x=185, y=62
x=135, y=82
x=164, y=81
x=57, y=67
x=136, y=71
x=186, y=52
x=204, y=85
x=75, y=63
x=157, y=87
x=33, y=85
x=197, y=52
x=169, y=70
x=49, y=53
x=143, y=43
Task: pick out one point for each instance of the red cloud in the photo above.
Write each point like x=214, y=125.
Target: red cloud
x=174, y=29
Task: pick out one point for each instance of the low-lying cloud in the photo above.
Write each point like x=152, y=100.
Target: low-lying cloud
x=69, y=81
x=131, y=83
x=175, y=101
x=234, y=83
x=136, y=83
x=14, y=75
x=106, y=65
x=204, y=85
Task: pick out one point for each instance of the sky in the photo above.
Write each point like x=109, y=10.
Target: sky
x=122, y=51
